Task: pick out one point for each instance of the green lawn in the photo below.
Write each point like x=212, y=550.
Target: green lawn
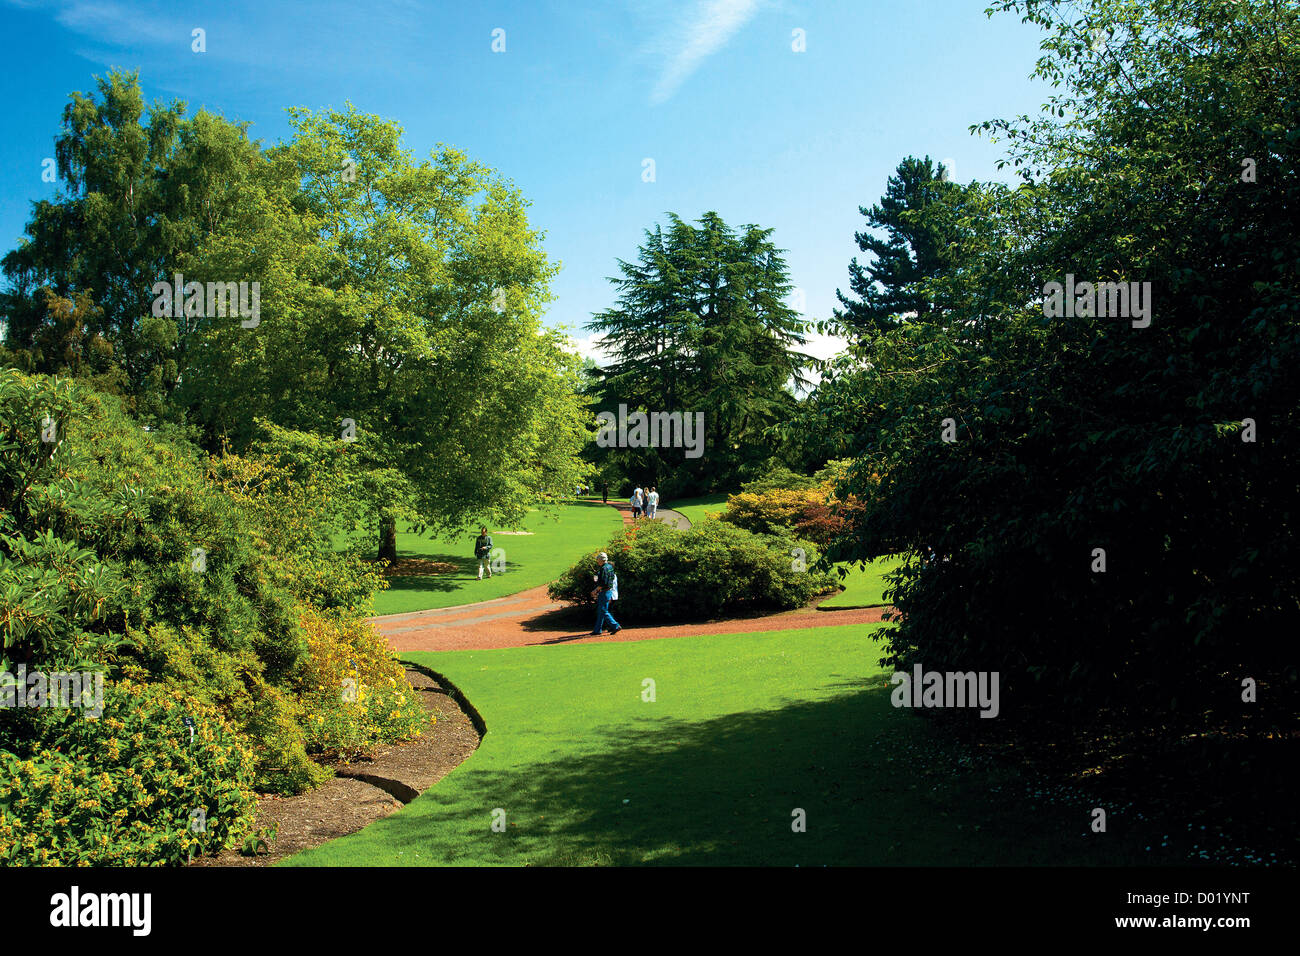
x=864, y=586
x=745, y=729
x=559, y=536
x=696, y=509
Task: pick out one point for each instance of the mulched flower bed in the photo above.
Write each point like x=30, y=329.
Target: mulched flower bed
x=366, y=789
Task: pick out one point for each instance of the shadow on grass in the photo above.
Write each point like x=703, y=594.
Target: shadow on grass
x=564, y=617
x=875, y=785
x=466, y=573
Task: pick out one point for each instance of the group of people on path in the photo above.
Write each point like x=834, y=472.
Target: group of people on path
x=644, y=502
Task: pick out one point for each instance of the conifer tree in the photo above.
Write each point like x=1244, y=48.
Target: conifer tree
x=916, y=246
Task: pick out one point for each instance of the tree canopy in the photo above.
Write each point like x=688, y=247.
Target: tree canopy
x=1112, y=500
x=700, y=324
x=395, y=303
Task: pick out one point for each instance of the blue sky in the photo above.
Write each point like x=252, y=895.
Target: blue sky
x=586, y=90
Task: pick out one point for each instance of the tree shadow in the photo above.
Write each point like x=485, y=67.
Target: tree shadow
x=728, y=791
x=466, y=573
x=466, y=569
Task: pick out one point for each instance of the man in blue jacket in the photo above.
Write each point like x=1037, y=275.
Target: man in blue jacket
x=604, y=584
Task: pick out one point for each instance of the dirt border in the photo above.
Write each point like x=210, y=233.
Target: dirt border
x=456, y=694
x=372, y=787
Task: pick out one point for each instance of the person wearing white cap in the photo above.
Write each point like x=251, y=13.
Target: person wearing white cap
x=606, y=587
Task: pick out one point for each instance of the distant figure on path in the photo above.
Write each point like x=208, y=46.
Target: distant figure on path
x=482, y=551
x=605, y=581
x=604, y=491
x=652, y=503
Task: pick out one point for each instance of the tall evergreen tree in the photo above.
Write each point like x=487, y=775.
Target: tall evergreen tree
x=916, y=246
x=701, y=324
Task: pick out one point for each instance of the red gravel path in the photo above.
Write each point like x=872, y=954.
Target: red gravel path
x=531, y=617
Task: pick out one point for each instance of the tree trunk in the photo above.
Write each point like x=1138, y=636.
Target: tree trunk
x=387, y=537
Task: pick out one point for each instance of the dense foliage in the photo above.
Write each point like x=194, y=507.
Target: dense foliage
x=710, y=570
x=1113, y=503
x=220, y=360
x=209, y=583
x=808, y=513
x=784, y=502
x=397, y=301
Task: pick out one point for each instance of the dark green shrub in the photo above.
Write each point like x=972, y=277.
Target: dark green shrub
x=710, y=570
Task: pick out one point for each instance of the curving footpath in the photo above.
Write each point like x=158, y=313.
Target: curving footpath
x=531, y=618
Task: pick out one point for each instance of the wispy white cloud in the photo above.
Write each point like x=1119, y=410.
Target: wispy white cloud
x=708, y=27
x=106, y=20
x=149, y=35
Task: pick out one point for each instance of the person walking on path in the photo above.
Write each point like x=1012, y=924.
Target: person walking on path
x=605, y=582
x=652, y=503
x=483, y=551
x=636, y=502
x=604, y=491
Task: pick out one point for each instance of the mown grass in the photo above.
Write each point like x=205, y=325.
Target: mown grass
x=743, y=733
x=864, y=586
x=698, y=509
x=556, y=538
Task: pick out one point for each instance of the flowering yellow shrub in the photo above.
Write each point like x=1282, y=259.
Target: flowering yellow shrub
x=129, y=788
x=355, y=693
x=804, y=511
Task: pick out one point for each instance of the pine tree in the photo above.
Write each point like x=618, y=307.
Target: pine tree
x=917, y=246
